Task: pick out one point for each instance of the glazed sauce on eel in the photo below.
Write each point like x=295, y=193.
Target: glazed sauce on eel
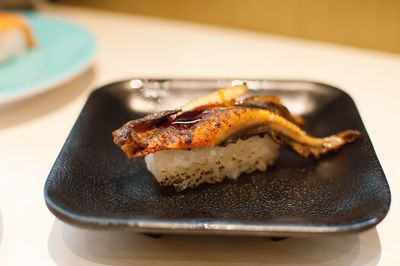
x=188, y=119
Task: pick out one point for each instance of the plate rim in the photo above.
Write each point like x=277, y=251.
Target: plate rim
x=170, y=226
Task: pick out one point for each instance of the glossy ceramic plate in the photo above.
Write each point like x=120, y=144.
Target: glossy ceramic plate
x=64, y=50
x=93, y=184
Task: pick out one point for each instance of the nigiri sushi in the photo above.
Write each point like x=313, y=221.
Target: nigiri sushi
x=218, y=136
x=15, y=36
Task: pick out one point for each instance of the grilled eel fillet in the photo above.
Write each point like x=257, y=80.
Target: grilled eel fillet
x=212, y=125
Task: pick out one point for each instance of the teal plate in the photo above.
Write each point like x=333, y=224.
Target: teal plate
x=63, y=51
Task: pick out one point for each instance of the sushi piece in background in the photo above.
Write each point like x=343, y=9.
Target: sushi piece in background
x=16, y=36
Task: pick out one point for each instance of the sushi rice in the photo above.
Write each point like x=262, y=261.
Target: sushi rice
x=12, y=44
x=189, y=168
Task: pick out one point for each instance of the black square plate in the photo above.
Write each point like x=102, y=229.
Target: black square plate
x=93, y=184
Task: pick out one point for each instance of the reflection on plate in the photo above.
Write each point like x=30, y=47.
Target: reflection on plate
x=93, y=184
x=64, y=50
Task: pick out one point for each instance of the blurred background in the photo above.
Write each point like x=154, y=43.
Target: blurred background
x=372, y=24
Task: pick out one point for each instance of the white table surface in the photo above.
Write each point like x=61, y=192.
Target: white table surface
x=33, y=131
